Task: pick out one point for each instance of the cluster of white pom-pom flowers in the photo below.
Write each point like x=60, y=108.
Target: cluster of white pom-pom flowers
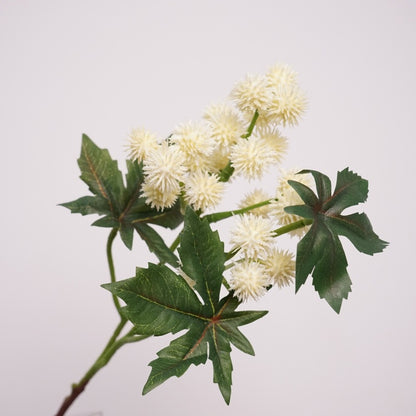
x=240, y=137
x=260, y=263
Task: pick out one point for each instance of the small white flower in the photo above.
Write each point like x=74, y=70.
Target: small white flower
x=287, y=105
x=195, y=142
x=251, y=94
x=203, y=190
x=251, y=157
x=281, y=75
x=219, y=158
x=256, y=197
x=225, y=123
x=163, y=167
x=253, y=235
x=280, y=265
x=249, y=280
x=163, y=171
x=160, y=199
x=141, y=142
x=274, y=140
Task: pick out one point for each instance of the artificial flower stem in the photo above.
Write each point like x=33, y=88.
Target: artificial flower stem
x=251, y=126
x=279, y=231
x=78, y=388
x=226, y=173
x=175, y=244
x=110, y=261
x=112, y=345
x=231, y=254
x=102, y=361
x=226, y=285
x=292, y=226
x=218, y=216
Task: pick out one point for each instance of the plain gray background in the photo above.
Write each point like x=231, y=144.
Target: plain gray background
x=101, y=68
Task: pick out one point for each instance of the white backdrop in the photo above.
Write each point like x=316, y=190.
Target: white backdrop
x=101, y=68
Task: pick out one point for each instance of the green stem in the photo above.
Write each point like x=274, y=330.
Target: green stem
x=218, y=216
x=109, y=350
x=231, y=254
x=113, y=343
x=175, y=244
x=226, y=285
x=251, y=126
x=292, y=226
x=110, y=261
x=226, y=173
x=279, y=231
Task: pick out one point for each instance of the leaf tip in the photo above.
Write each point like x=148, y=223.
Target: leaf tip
x=336, y=306
x=147, y=388
x=226, y=393
x=85, y=137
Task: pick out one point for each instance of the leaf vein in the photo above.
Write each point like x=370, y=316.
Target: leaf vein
x=100, y=184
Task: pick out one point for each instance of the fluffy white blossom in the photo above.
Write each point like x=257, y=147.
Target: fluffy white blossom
x=253, y=235
x=196, y=144
x=249, y=280
x=219, y=158
x=251, y=94
x=251, y=157
x=163, y=171
x=281, y=75
x=203, y=190
x=256, y=197
x=288, y=105
x=160, y=199
x=163, y=167
x=140, y=143
x=275, y=140
x=287, y=196
x=280, y=265
x=226, y=124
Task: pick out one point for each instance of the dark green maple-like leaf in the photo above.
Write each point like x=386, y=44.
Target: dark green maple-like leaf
x=320, y=251
x=121, y=205
x=159, y=301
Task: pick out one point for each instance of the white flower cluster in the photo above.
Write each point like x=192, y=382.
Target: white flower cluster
x=242, y=135
x=261, y=263
x=276, y=96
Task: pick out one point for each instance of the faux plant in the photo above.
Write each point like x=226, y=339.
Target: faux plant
x=198, y=285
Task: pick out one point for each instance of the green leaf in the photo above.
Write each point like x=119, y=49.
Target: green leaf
x=175, y=359
x=323, y=184
x=134, y=180
x=168, y=218
x=357, y=228
x=320, y=251
x=121, y=204
x=88, y=205
x=156, y=244
x=100, y=172
x=159, y=301
x=202, y=256
x=107, y=221
x=350, y=190
x=307, y=195
x=126, y=234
